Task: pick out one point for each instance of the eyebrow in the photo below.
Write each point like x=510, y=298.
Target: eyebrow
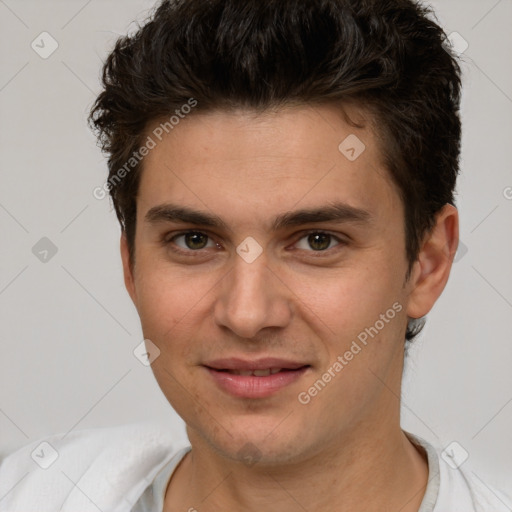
x=340, y=212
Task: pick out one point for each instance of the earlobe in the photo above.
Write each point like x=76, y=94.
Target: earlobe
x=127, y=269
x=432, y=268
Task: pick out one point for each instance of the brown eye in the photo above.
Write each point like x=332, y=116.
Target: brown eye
x=196, y=240
x=319, y=241
x=192, y=241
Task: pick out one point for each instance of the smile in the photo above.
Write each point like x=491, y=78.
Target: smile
x=253, y=380
x=256, y=373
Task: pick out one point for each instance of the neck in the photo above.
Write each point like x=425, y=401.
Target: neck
x=369, y=469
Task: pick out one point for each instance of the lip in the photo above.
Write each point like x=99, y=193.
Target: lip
x=249, y=386
x=234, y=363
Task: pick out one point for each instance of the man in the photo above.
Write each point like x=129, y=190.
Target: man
x=283, y=172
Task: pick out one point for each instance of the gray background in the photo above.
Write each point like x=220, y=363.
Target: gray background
x=68, y=327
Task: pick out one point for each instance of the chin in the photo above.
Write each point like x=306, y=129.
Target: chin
x=261, y=446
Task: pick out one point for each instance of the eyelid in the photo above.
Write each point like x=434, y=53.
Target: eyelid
x=209, y=235
x=168, y=238
x=335, y=236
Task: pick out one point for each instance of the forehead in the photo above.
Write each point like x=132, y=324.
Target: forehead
x=252, y=163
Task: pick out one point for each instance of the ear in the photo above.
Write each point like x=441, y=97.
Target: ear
x=432, y=268
x=128, y=270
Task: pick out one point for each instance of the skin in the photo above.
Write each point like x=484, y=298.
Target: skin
x=292, y=302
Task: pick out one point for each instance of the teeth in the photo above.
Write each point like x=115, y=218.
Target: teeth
x=256, y=373
x=261, y=373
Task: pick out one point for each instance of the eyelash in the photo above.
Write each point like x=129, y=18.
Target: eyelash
x=168, y=242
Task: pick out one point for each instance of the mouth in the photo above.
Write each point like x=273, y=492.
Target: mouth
x=258, y=373
x=255, y=379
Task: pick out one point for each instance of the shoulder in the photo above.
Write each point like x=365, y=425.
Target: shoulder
x=459, y=486
x=465, y=484
x=85, y=470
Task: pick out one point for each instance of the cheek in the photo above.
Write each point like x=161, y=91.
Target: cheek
x=168, y=301
x=347, y=301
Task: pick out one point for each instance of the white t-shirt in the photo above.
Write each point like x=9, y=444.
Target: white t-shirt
x=127, y=469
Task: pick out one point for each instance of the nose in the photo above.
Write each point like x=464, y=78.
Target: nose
x=252, y=298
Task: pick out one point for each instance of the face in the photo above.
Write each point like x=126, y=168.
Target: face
x=270, y=273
